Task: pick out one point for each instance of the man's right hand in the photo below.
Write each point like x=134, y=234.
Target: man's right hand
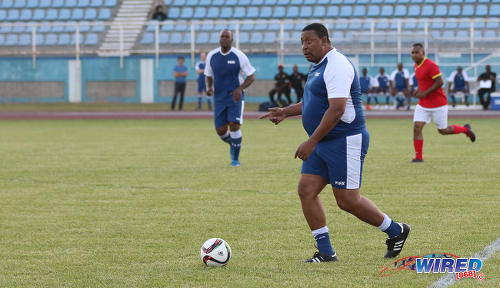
x=275, y=115
x=210, y=92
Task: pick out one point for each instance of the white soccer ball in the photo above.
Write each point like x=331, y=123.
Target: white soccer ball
x=215, y=252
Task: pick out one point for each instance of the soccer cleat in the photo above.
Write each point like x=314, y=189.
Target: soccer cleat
x=368, y=107
x=416, y=160
x=235, y=163
x=318, y=258
x=395, y=244
x=470, y=133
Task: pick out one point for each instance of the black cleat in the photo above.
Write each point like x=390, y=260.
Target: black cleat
x=318, y=258
x=470, y=133
x=395, y=244
x=416, y=160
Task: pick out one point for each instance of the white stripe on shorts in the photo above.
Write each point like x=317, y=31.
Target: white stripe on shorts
x=241, y=114
x=353, y=144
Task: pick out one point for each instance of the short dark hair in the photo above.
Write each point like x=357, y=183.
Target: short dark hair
x=319, y=28
x=418, y=45
x=180, y=57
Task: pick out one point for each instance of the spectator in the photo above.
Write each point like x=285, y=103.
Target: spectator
x=180, y=74
x=366, y=83
x=382, y=85
x=281, y=86
x=200, y=69
x=486, y=86
x=297, y=81
x=399, y=85
x=159, y=12
x=413, y=84
x=459, y=81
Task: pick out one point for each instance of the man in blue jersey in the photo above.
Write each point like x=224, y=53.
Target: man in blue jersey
x=228, y=72
x=382, y=85
x=338, y=141
x=180, y=74
x=399, y=84
x=413, y=83
x=200, y=69
x=366, y=83
x=459, y=81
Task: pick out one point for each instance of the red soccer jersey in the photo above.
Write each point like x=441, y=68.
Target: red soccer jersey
x=426, y=72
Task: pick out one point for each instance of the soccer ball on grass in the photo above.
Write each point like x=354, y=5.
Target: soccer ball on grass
x=215, y=252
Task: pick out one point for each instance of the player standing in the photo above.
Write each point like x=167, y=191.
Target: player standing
x=366, y=82
x=202, y=89
x=226, y=66
x=338, y=141
x=432, y=103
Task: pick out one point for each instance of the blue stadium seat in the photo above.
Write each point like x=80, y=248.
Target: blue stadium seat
x=244, y=37
x=174, y=12
x=147, y=38
x=205, y=3
x=50, y=39
x=338, y=36
x=490, y=34
x=6, y=4
x=373, y=11
x=228, y=2
x=25, y=15
x=306, y=12
x=437, y=25
x=5, y=29
x=464, y=25
x=24, y=39
x=70, y=3
x=57, y=28
x=175, y=38
x=202, y=38
x=355, y=26
x=403, y=1
x=83, y=3
x=96, y=3
x=468, y=10
x=436, y=34
x=45, y=27
x=377, y=1
x=470, y=1
x=260, y=27
x=441, y=10
x=450, y=25
x=256, y=38
x=479, y=23
x=64, y=39
x=257, y=2
x=18, y=29
x=163, y=38
x=387, y=11
x=477, y=34
x=481, y=10
x=1, y=39
x=179, y=3
x=19, y=4
x=51, y=14
x=346, y=11
x=341, y=26
x=98, y=27
x=279, y=12
x=462, y=35
x=292, y=12
x=410, y=25
x=110, y=3
x=332, y=11
x=71, y=27
x=239, y=12
x=73, y=38
x=454, y=11
x=319, y=12
x=309, y=2
x=270, y=2
x=200, y=12
x=448, y=34
x=32, y=4
x=39, y=15
x=91, y=39
x=186, y=13
x=77, y=14
x=400, y=11
x=495, y=10
x=11, y=40
x=57, y=3
x=269, y=37
x=389, y=2
x=246, y=27
x=382, y=26
x=457, y=1
x=104, y=14
x=181, y=27
x=213, y=12
x=359, y=11
x=45, y=3
x=13, y=15
x=64, y=14
x=273, y=27
x=444, y=1
x=266, y=12
x=90, y=14
x=3, y=15
x=283, y=2
x=84, y=26
x=364, y=2
x=413, y=11
x=427, y=11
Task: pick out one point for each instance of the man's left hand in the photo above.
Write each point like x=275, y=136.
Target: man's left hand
x=305, y=149
x=237, y=94
x=419, y=94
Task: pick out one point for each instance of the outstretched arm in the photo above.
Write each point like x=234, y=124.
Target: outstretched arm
x=276, y=114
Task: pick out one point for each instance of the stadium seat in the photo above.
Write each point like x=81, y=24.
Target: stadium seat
x=462, y=36
x=98, y=27
x=481, y=10
x=279, y=12
x=77, y=14
x=479, y=23
x=186, y=13
x=90, y=14
x=174, y=12
x=213, y=12
x=214, y=38
x=377, y=1
x=309, y=2
x=441, y=11
x=436, y=34
x=244, y=37
x=84, y=26
x=64, y=14
x=45, y=3
x=3, y=15
x=50, y=39
x=147, y=38
x=11, y=40
x=202, y=38
x=104, y=14
x=83, y=3
x=19, y=4
x=110, y=3
x=229, y=2
x=448, y=34
x=179, y=3
x=464, y=25
x=257, y=2
x=260, y=27
x=373, y=11
x=32, y=4
x=346, y=11
x=355, y=26
x=490, y=34
x=364, y=2
x=269, y=37
x=252, y=12
x=6, y=4
x=217, y=2
x=96, y=3
x=182, y=27
x=51, y=14
x=477, y=34
x=387, y=11
x=305, y=12
x=73, y=38
x=91, y=39
x=63, y=39
x=283, y=2
x=319, y=11
x=400, y=11
x=270, y=2
x=332, y=11
x=359, y=11
x=494, y=10
x=292, y=12
x=437, y=24
x=454, y=11
x=468, y=10
x=382, y=25
x=39, y=15
x=450, y=25
x=410, y=25
x=24, y=39
x=389, y=2
x=70, y=3
x=70, y=27
x=45, y=27
x=413, y=11
x=266, y=12
x=239, y=12
x=162, y=38
x=18, y=29
x=492, y=25
x=427, y=11
x=205, y=3
x=341, y=26
x=25, y=15
x=57, y=28
x=256, y=38
x=175, y=38
x=57, y=3
x=13, y=15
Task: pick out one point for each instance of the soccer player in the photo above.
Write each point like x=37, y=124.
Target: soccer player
x=382, y=85
x=200, y=69
x=225, y=71
x=399, y=85
x=338, y=141
x=459, y=79
x=365, y=83
x=432, y=103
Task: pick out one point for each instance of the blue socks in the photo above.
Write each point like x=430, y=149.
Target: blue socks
x=235, y=144
x=226, y=137
x=323, y=240
x=390, y=227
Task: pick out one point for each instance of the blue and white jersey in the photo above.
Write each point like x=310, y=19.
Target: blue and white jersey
x=333, y=77
x=201, y=66
x=413, y=80
x=365, y=83
x=229, y=71
x=458, y=80
x=382, y=81
x=399, y=78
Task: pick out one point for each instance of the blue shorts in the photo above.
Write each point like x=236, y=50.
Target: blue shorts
x=228, y=112
x=201, y=86
x=339, y=161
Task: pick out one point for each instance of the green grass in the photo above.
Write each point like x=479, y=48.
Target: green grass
x=128, y=203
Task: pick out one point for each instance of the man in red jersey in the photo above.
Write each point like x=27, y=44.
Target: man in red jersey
x=432, y=102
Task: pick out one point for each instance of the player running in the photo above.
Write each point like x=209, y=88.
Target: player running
x=338, y=141
x=432, y=103
x=225, y=68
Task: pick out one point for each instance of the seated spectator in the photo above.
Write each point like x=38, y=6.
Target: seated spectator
x=486, y=86
x=366, y=84
x=159, y=12
x=381, y=85
x=459, y=81
x=399, y=84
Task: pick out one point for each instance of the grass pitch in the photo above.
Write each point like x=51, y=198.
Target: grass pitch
x=128, y=203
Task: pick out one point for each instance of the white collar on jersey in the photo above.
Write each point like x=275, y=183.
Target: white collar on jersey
x=224, y=54
x=326, y=55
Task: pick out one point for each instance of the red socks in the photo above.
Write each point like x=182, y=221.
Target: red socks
x=418, y=144
x=459, y=129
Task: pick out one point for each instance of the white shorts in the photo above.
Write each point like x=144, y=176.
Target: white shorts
x=439, y=115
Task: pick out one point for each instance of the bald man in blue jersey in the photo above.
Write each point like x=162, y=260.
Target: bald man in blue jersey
x=338, y=141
